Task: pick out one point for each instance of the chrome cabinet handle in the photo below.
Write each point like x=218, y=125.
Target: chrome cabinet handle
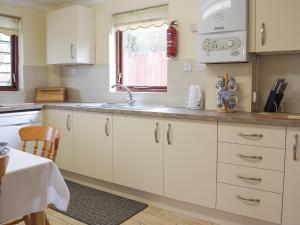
x=71, y=51
x=68, y=123
x=250, y=135
x=248, y=178
x=295, y=147
x=168, y=134
x=106, y=127
x=253, y=157
x=248, y=199
x=156, y=133
x=263, y=34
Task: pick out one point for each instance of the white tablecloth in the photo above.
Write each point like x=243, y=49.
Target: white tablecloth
x=30, y=184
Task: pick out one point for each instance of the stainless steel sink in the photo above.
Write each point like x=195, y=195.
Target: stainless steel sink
x=125, y=106
x=90, y=105
x=121, y=106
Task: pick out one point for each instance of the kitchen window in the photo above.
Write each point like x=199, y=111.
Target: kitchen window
x=9, y=28
x=141, y=41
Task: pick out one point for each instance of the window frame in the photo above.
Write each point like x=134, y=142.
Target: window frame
x=14, y=44
x=119, y=69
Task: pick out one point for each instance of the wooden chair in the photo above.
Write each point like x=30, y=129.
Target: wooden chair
x=49, y=136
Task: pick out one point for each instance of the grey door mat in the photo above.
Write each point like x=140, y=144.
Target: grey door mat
x=95, y=207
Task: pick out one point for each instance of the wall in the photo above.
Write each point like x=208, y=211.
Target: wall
x=33, y=32
x=32, y=51
x=280, y=66
x=91, y=83
x=183, y=11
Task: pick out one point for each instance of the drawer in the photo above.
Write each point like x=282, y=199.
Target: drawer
x=252, y=156
x=257, y=135
x=248, y=202
x=260, y=179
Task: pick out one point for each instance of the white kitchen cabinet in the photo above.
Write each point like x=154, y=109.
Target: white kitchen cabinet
x=93, y=144
x=249, y=202
x=250, y=134
x=62, y=119
x=275, y=25
x=71, y=35
x=291, y=196
x=190, y=161
x=138, y=153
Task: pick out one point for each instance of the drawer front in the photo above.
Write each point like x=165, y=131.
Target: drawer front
x=252, y=156
x=265, y=205
x=260, y=179
x=257, y=135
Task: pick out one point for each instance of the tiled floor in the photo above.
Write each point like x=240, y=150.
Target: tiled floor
x=149, y=216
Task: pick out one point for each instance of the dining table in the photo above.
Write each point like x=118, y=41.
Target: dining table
x=31, y=183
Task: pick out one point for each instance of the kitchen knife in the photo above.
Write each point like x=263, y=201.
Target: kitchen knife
x=283, y=88
x=279, y=88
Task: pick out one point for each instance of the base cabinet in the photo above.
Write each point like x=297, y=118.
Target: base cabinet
x=138, y=153
x=291, y=197
x=63, y=120
x=190, y=153
x=178, y=159
x=93, y=145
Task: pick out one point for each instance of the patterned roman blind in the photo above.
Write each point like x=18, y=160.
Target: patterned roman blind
x=154, y=16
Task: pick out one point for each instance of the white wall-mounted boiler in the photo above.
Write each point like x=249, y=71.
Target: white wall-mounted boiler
x=222, y=31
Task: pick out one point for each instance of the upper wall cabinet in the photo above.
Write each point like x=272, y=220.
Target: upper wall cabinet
x=71, y=36
x=276, y=25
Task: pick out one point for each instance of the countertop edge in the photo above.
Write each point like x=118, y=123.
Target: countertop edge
x=236, y=117
x=165, y=113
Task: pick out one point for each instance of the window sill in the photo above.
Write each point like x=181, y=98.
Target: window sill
x=9, y=89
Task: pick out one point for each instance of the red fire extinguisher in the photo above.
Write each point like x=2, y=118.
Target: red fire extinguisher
x=172, y=40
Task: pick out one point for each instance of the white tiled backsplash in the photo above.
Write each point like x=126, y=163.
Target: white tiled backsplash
x=91, y=84
x=33, y=77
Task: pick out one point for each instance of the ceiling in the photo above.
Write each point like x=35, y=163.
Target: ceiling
x=49, y=4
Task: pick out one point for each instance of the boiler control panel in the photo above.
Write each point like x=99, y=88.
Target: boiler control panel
x=226, y=47
x=221, y=44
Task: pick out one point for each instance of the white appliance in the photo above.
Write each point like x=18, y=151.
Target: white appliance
x=222, y=31
x=11, y=123
x=195, y=100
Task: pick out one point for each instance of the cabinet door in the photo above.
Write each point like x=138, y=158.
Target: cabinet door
x=190, y=161
x=93, y=145
x=279, y=19
x=61, y=36
x=62, y=119
x=138, y=153
x=291, y=196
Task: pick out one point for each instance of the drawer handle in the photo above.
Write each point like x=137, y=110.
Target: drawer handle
x=263, y=34
x=68, y=123
x=156, y=133
x=106, y=127
x=253, y=157
x=248, y=199
x=168, y=134
x=248, y=178
x=71, y=51
x=295, y=158
x=250, y=135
